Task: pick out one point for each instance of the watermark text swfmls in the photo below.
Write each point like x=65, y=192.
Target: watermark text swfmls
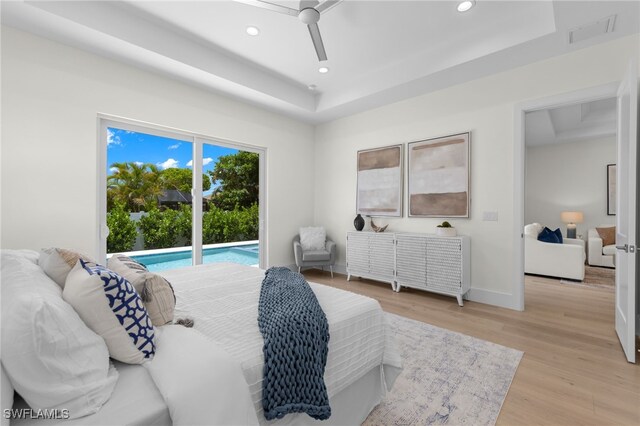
x=30, y=413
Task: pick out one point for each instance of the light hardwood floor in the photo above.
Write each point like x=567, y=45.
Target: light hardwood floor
x=573, y=370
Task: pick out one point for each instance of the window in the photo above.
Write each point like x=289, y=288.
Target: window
x=172, y=199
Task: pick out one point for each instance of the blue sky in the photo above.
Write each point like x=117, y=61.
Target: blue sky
x=126, y=146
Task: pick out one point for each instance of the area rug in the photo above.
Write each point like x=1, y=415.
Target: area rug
x=595, y=276
x=448, y=378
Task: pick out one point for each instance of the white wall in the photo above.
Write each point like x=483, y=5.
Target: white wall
x=486, y=108
x=569, y=176
x=51, y=95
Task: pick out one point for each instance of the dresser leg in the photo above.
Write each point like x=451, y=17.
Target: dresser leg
x=459, y=297
x=348, y=277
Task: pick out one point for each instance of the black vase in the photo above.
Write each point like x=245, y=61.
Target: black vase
x=358, y=222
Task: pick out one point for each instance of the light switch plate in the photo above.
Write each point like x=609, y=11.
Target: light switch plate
x=490, y=216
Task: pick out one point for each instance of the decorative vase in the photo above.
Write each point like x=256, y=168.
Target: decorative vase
x=358, y=222
x=446, y=232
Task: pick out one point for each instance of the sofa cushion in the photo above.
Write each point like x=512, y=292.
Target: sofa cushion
x=549, y=236
x=316, y=255
x=609, y=250
x=608, y=235
x=532, y=230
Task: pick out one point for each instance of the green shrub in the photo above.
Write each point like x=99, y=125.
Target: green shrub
x=159, y=228
x=122, y=229
x=183, y=223
x=224, y=226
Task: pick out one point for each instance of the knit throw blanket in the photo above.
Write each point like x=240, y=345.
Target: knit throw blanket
x=296, y=338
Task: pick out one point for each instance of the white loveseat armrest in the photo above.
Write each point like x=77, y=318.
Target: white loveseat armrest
x=555, y=260
x=595, y=255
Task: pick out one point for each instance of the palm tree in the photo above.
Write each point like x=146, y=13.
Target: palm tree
x=135, y=185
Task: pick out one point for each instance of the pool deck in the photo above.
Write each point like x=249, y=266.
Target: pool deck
x=184, y=249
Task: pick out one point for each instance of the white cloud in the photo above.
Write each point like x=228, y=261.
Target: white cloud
x=205, y=161
x=176, y=146
x=138, y=163
x=112, y=138
x=169, y=164
x=113, y=169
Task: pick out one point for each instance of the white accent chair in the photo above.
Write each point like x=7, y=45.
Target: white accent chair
x=564, y=260
x=312, y=258
x=599, y=255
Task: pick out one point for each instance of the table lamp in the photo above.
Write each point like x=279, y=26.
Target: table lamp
x=571, y=218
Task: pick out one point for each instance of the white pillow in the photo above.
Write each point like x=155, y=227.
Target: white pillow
x=533, y=230
x=155, y=291
x=313, y=238
x=6, y=396
x=50, y=356
x=111, y=307
x=26, y=254
x=199, y=381
x=57, y=263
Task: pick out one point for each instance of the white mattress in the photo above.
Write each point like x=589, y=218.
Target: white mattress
x=223, y=301
x=135, y=401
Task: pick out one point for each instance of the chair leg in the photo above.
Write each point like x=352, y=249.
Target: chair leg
x=331, y=267
x=298, y=269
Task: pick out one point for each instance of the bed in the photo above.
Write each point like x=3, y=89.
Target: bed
x=222, y=299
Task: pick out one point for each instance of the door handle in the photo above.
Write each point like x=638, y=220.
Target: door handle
x=624, y=248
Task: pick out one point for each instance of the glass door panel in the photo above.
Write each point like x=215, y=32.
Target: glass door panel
x=149, y=202
x=230, y=205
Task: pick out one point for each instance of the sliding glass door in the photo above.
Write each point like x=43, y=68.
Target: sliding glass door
x=173, y=199
x=231, y=205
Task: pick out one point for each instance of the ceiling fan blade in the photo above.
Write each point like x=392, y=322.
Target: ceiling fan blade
x=317, y=41
x=270, y=6
x=326, y=5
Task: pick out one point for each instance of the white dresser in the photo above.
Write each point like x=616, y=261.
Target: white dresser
x=421, y=261
x=372, y=255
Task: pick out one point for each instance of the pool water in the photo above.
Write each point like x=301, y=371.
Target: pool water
x=246, y=255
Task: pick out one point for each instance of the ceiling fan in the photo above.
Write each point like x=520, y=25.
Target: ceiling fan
x=309, y=14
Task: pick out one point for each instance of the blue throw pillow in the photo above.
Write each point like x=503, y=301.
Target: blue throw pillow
x=549, y=236
x=558, y=234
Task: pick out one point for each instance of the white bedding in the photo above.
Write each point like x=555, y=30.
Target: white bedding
x=135, y=401
x=223, y=301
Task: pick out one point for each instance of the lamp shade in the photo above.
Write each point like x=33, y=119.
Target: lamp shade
x=571, y=217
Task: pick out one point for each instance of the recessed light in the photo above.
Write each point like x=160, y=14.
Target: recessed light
x=323, y=70
x=465, y=5
x=253, y=31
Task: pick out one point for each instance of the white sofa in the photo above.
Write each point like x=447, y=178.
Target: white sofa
x=599, y=255
x=555, y=260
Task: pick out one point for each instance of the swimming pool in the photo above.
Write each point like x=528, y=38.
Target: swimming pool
x=244, y=254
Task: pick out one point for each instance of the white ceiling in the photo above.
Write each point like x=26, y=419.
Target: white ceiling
x=378, y=51
x=580, y=122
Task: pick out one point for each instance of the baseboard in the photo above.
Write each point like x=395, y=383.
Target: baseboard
x=337, y=268
x=495, y=298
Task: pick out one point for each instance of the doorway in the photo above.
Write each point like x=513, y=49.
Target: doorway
x=626, y=286
x=570, y=198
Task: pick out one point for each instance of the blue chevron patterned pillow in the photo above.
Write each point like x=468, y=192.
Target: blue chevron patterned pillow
x=112, y=308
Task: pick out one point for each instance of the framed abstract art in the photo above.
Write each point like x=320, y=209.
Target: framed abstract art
x=379, y=191
x=439, y=177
